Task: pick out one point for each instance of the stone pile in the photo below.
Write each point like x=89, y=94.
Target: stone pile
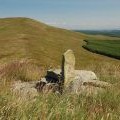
x=65, y=79
x=71, y=80
x=51, y=83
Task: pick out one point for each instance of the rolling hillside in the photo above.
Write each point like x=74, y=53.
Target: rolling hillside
x=27, y=38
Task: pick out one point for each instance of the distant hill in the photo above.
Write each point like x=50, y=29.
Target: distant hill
x=24, y=38
x=112, y=33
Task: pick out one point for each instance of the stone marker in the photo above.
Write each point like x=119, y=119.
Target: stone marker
x=68, y=66
x=59, y=80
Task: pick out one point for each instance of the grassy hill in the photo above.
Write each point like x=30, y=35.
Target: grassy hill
x=27, y=38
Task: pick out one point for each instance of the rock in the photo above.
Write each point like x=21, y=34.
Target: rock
x=51, y=88
x=83, y=75
x=86, y=82
x=100, y=84
x=53, y=76
x=83, y=89
x=69, y=79
x=79, y=81
x=55, y=71
x=43, y=87
x=43, y=80
x=25, y=90
x=51, y=82
x=68, y=66
x=40, y=85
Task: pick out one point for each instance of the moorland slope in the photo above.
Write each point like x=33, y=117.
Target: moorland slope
x=27, y=38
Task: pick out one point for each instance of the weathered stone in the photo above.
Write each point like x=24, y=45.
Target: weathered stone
x=86, y=82
x=68, y=66
x=25, y=90
x=100, y=84
x=55, y=71
x=40, y=85
x=51, y=88
x=84, y=75
x=69, y=79
x=53, y=76
x=43, y=80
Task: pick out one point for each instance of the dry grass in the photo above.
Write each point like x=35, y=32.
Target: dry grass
x=23, y=70
x=68, y=106
x=104, y=106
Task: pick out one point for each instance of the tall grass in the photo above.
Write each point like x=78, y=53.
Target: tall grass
x=23, y=70
x=66, y=107
x=103, y=106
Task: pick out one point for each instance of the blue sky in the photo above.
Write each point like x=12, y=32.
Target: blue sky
x=70, y=14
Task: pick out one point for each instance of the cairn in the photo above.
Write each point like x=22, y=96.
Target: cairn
x=66, y=79
x=69, y=79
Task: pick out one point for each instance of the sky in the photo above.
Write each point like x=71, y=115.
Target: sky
x=69, y=14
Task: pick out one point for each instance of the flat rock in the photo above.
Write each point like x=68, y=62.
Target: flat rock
x=25, y=90
x=88, y=85
x=84, y=75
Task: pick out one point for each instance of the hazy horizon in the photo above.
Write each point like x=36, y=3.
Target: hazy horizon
x=69, y=14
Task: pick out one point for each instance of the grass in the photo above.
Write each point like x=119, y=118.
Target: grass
x=21, y=70
x=68, y=106
x=109, y=48
x=28, y=48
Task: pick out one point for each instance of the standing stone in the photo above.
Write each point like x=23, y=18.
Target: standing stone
x=68, y=67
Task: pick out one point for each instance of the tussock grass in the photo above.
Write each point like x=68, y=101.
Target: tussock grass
x=105, y=106
x=23, y=70
x=68, y=106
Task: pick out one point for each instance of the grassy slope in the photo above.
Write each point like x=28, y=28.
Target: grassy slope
x=27, y=38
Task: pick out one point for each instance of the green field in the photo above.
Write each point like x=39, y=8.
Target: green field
x=109, y=48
